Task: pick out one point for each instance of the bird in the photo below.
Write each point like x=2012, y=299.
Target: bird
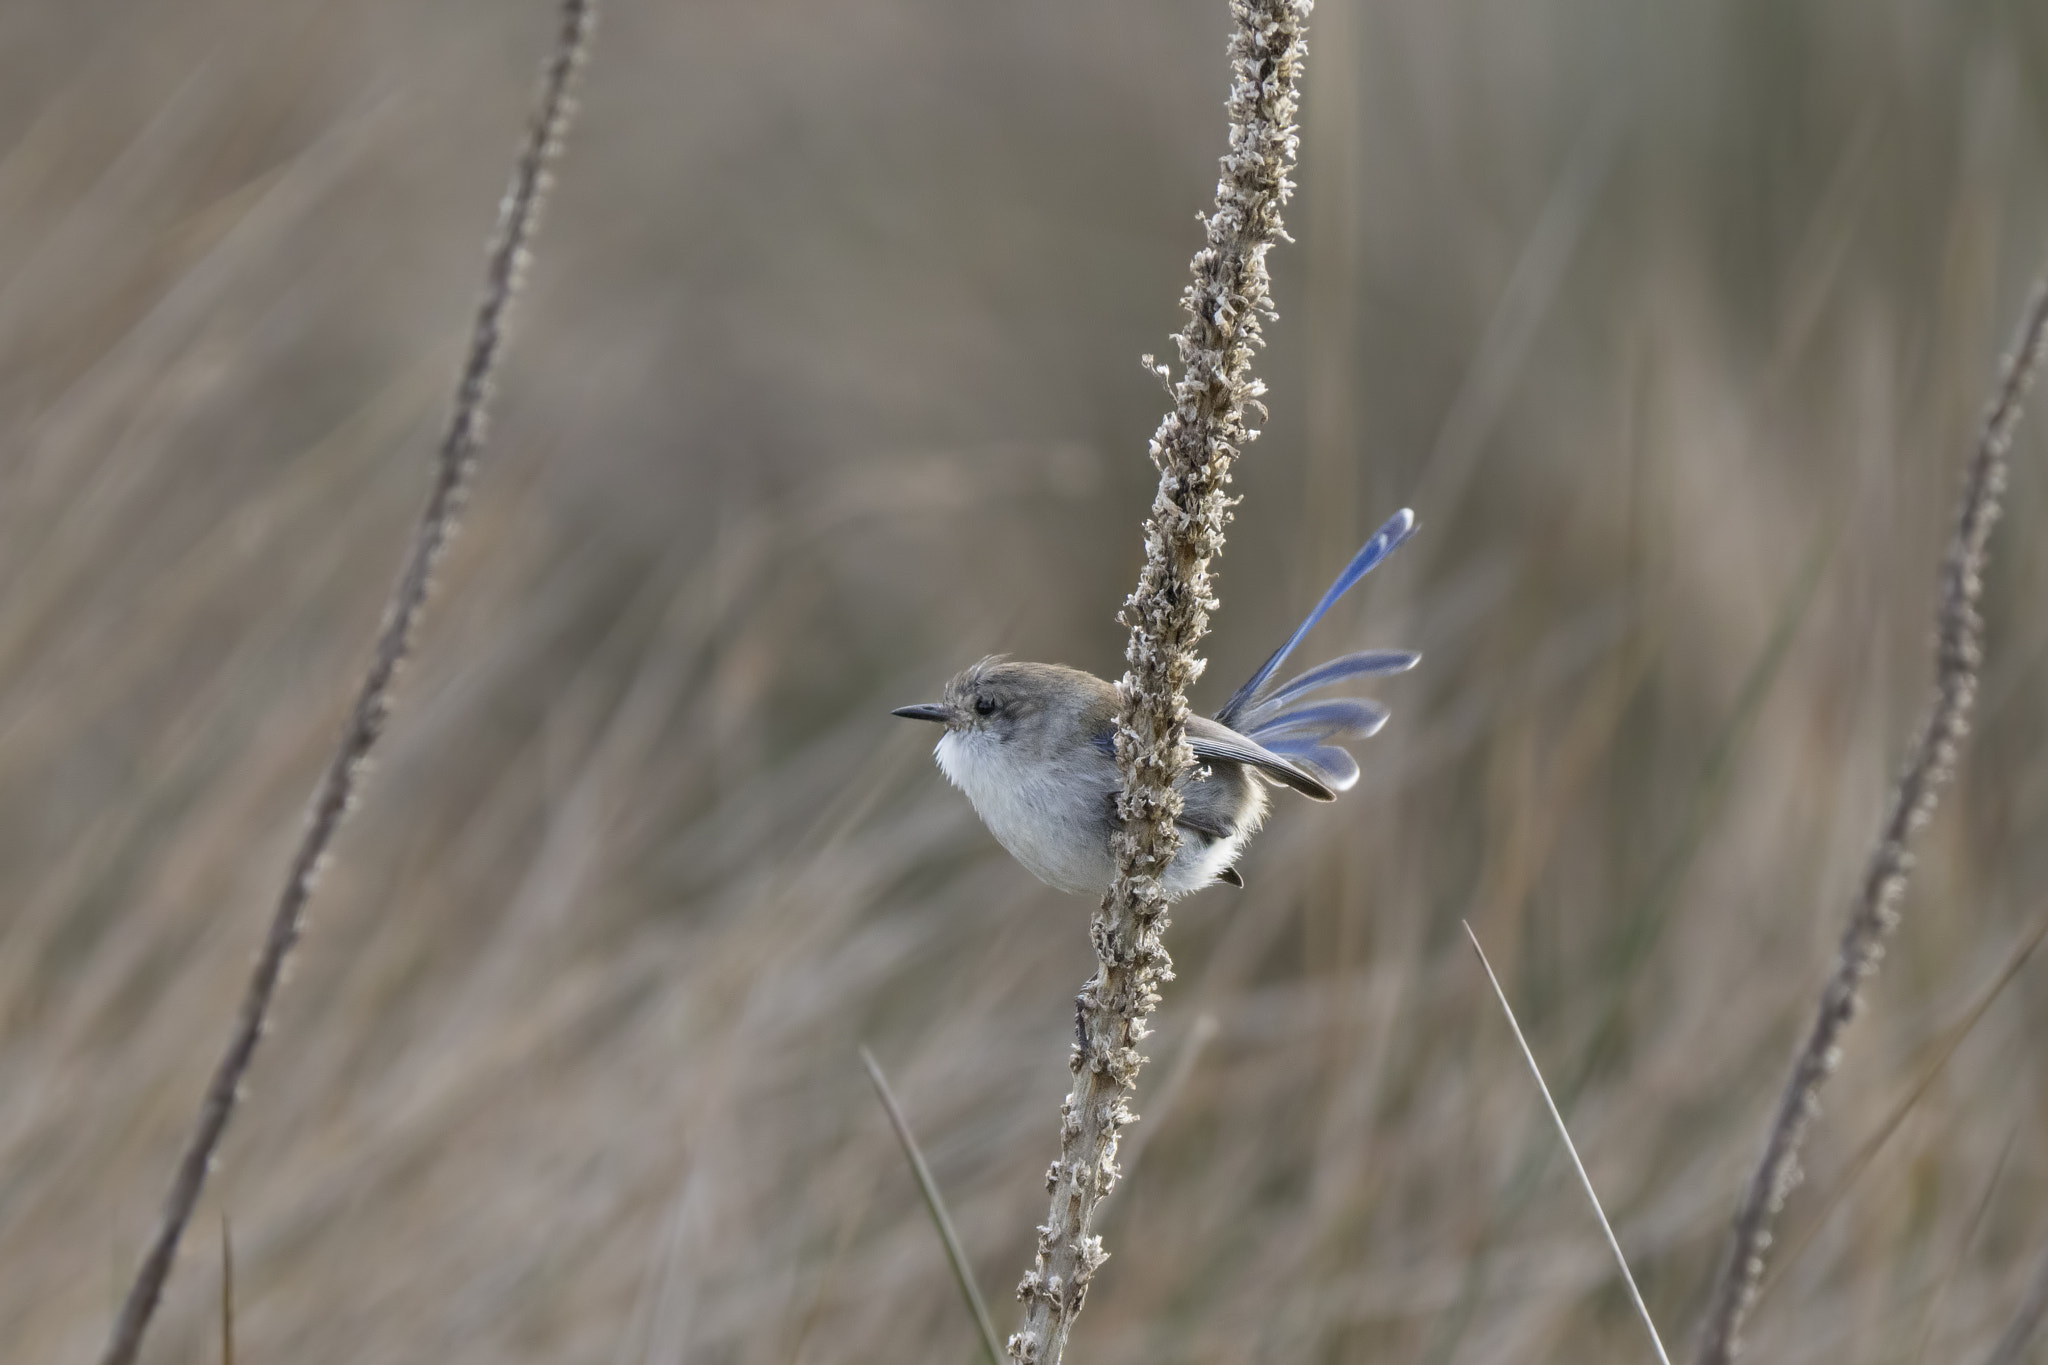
x=1033, y=747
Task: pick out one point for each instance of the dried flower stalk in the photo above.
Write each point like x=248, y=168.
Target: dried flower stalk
x=1167, y=616
x=518, y=217
x=1929, y=768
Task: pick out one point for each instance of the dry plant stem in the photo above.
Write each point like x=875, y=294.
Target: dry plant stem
x=518, y=216
x=1167, y=616
x=2012, y=1347
x=1929, y=768
x=227, y=1294
x=1564, y=1133
x=963, y=1272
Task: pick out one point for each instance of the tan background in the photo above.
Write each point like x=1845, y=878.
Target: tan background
x=1671, y=321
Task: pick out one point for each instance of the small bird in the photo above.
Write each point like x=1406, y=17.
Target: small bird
x=1034, y=748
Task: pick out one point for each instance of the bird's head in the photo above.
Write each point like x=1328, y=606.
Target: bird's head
x=1019, y=703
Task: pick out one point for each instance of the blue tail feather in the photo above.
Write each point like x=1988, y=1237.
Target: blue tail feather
x=1335, y=766
x=1343, y=718
x=1362, y=664
x=1383, y=543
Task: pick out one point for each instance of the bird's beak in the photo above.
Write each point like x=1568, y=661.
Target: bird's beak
x=924, y=710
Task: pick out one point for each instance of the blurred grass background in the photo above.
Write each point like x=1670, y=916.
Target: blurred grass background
x=1673, y=324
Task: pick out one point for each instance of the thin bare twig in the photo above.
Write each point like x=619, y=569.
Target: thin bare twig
x=1564, y=1134
x=1929, y=767
x=963, y=1272
x=518, y=217
x=1167, y=616
x=227, y=1293
x=2012, y=1347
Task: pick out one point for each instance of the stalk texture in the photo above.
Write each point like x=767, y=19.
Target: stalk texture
x=518, y=219
x=1167, y=616
x=1930, y=767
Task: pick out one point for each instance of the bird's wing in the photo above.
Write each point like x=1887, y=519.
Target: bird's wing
x=1214, y=742
x=1208, y=824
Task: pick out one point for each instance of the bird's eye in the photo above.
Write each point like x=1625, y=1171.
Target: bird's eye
x=984, y=706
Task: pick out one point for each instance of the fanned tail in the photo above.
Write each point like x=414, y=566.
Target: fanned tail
x=1383, y=543
x=1365, y=663
x=1310, y=733
x=1335, y=766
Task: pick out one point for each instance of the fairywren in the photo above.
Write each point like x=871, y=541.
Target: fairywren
x=1034, y=748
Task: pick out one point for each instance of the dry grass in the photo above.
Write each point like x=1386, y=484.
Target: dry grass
x=935, y=1205
x=335, y=793
x=569, y=1074
x=1564, y=1136
x=1930, y=768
